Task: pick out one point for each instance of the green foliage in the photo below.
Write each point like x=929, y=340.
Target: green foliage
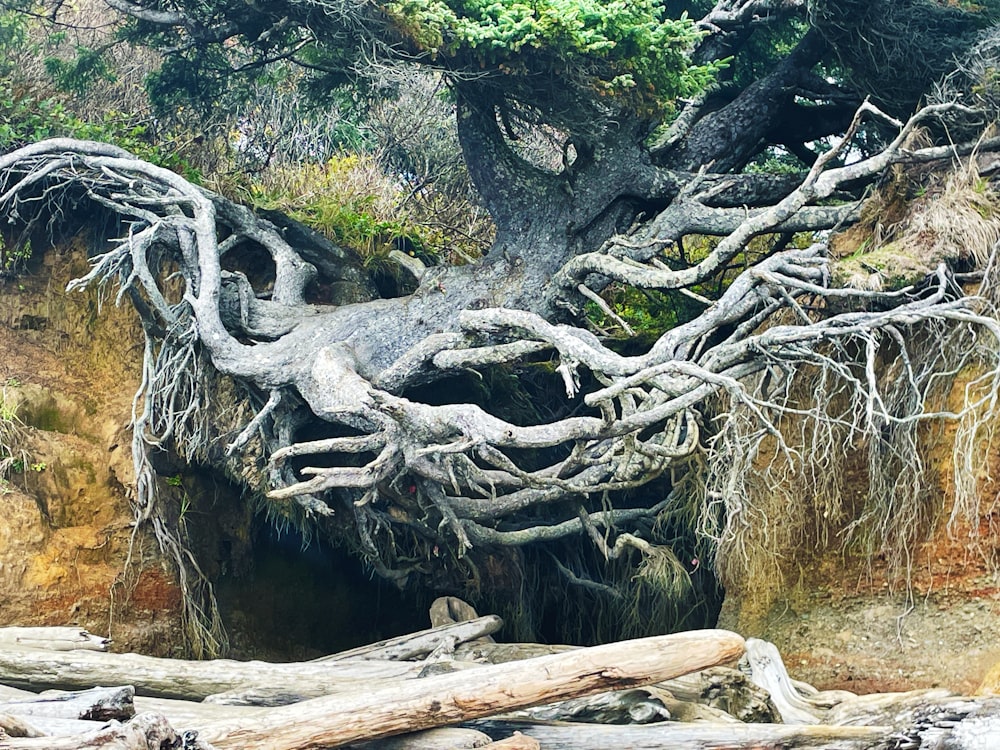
x=13, y=36
x=13, y=256
x=625, y=49
x=12, y=455
x=648, y=313
x=79, y=73
x=352, y=202
x=25, y=118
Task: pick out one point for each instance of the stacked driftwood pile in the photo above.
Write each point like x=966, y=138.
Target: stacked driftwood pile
x=698, y=690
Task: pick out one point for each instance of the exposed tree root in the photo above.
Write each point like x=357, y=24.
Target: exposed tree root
x=722, y=391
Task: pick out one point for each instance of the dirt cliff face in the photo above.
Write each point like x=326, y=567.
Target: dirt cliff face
x=68, y=368
x=846, y=621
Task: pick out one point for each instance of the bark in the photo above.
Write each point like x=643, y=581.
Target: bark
x=727, y=139
x=450, y=698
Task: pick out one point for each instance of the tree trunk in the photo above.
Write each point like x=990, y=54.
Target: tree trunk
x=445, y=699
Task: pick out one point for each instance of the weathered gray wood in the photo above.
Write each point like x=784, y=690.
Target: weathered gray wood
x=96, y=704
x=416, y=645
x=144, y=732
x=517, y=742
x=671, y=735
x=891, y=709
x=501, y=653
x=8, y=693
x=768, y=671
x=272, y=696
x=17, y=726
x=710, y=694
x=181, y=713
x=194, y=680
x=726, y=690
x=52, y=726
x=53, y=639
x=442, y=738
x=636, y=706
x=445, y=699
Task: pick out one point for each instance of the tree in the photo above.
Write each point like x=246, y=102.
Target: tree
x=665, y=129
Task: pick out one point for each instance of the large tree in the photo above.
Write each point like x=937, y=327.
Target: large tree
x=759, y=123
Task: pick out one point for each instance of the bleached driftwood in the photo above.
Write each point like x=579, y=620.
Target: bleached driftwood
x=707, y=695
x=390, y=709
x=144, y=732
x=568, y=736
x=768, y=671
x=441, y=738
x=95, y=704
x=178, y=678
x=422, y=643
x=53, y=639
x=635, y=706
x=17, y=726
x=517, y=742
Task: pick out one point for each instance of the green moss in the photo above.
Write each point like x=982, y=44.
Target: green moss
x=45, y=415
x=893, y=265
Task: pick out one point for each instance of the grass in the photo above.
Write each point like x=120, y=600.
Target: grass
x=13, y=458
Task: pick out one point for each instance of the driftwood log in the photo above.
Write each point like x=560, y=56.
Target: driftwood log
x=669, y=735
x=444, y=699
x=144, y=732
x=441, y=738
x=417, y=645
x=53, y=639
x=192, y=680
x=96, y=704
x=726, y=693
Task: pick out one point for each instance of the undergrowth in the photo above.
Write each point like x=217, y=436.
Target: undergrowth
x=13, y=457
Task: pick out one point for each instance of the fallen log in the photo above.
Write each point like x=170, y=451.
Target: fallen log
x=442, y=738
x=422, y=643
x=567, y=736
x=53, y=639
x=386, y=710
x=726, y=690
x=768, y=671
x=8, y=693
x=709, y=694
x=517, y=742
x=48, y=726
x=193, y=680
x=96, y=704
x=16, y=726
x=144, y=732
x=635, y=706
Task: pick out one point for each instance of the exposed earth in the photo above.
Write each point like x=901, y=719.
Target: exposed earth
x=853, y=633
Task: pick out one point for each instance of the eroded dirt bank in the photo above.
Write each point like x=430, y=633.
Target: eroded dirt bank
x=68, y=370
